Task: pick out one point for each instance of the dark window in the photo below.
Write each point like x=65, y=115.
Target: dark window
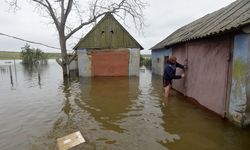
x=166, y=59
x=158, y=60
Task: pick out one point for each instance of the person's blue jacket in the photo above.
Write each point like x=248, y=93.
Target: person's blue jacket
x=170, y=70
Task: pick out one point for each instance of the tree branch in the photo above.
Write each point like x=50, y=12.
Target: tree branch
x=52, y=14
x=13, y=4
x=94, y=9
x=84, y=24
x=71, y=58
x=62, y=10
x=95, y=17
x=69, y=7
x=59, y=62
x=41, y=3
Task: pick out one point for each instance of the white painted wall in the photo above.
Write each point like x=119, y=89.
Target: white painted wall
x=158, y=60
x=84, y=63
x=134, y=61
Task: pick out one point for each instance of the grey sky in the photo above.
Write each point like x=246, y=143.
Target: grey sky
x=162, y=17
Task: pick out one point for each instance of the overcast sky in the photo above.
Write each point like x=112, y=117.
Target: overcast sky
x=162, y=17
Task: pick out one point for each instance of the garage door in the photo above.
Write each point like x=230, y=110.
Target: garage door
x=110, y=62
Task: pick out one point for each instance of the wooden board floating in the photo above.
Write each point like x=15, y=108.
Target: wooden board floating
x=69, y=141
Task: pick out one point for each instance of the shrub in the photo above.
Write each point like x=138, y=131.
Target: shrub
x=144, y=61
x=31, y=56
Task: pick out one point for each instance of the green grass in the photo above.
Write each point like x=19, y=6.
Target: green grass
x=5, y=55
x=9, y=55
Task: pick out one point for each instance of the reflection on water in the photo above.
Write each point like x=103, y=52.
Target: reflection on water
x=105, y=102
x=110, y=112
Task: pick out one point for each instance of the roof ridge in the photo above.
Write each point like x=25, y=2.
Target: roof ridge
x=217, y=22
x=227, y=13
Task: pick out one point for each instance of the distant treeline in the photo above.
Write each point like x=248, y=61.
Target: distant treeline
x=4, y=55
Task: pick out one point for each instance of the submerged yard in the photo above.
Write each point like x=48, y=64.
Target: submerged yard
x=110, y=112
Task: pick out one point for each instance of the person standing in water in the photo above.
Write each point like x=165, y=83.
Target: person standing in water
x=169, y=74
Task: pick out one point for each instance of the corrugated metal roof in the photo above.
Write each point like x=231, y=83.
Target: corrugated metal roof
x=231, y=17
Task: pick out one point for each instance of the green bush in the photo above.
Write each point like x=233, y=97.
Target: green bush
x=145, y=61
x=31, y=56
x=148, y=62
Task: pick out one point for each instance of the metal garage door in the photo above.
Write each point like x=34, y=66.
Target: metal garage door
x=110, y=62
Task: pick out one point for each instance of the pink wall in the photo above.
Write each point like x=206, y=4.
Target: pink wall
x=206, y=78
x=180, y=52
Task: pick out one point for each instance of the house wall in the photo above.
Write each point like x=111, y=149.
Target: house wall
x=213, y=78
x=208, y=72
x=206, y=77
x=239, y=98
x=84, y=63
x=158, y=60
x=134, y=61
x=180, y=53
x=109, y=62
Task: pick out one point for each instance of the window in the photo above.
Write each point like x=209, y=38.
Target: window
x=166, y=59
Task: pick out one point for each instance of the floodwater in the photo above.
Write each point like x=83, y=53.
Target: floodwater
x=110, y=112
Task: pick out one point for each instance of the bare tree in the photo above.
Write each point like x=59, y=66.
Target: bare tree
x=60, y=10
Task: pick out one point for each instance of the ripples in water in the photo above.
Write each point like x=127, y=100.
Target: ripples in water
x=110, y=112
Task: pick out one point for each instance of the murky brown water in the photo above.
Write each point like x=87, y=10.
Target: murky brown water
x=111, y=113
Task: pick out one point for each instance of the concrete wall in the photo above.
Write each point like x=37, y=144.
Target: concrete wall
x=158, y=60
x=84, y=63
x=134, y=62
x=239, y=98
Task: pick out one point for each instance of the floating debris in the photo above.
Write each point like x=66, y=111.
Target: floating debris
x=173, y=137
x=70, y=141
